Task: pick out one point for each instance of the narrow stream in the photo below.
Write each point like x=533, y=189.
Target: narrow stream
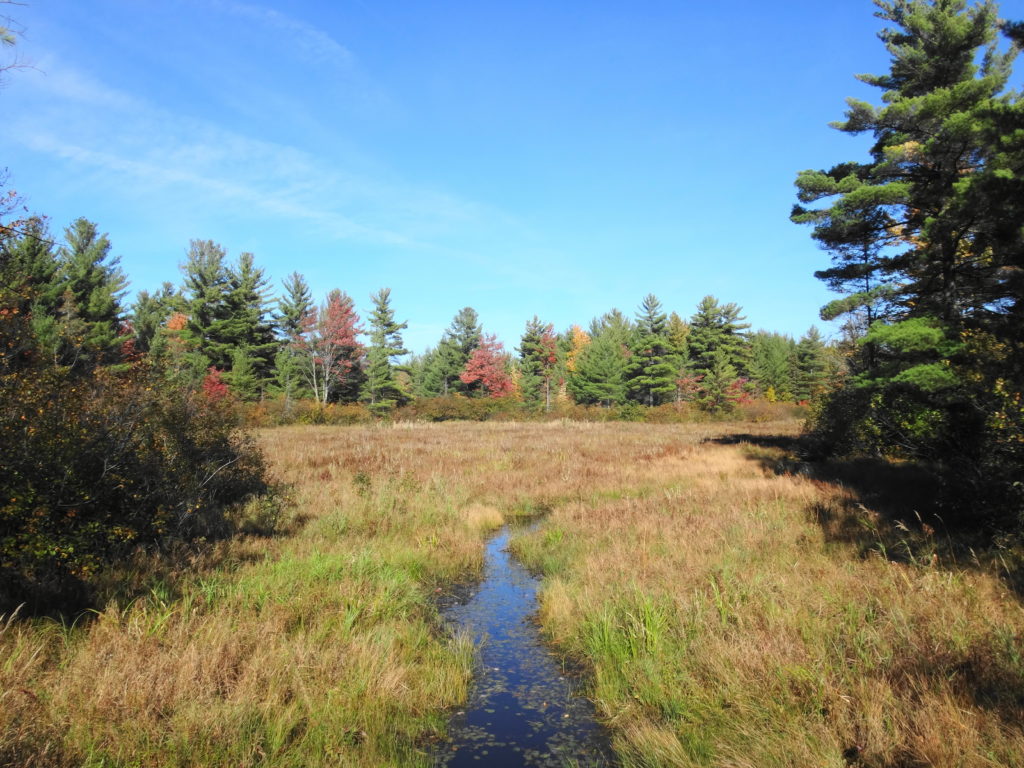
x=523, y=709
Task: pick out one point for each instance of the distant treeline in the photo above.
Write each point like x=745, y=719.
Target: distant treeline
x=222, y=325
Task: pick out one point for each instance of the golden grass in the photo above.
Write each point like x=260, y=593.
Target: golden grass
x=721, y=623
x=723, y=628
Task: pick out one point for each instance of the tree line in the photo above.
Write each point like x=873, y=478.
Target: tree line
x=221, y=323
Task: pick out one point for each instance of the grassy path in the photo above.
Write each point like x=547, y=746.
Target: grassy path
x=722, y=622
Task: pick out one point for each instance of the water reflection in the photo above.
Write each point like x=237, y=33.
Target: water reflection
x=522, y=710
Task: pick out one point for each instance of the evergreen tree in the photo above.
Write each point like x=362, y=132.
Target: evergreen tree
x=444, y=365
x=28, y=268
x=935, y=218
x=773, y=364
x=614, y=323
x=294, y=306
x=29, y=253
x=287, y=378
x=86, y=329
x=382, y=388
x=718, y=328
x=538, y=357
x=150, y=312
x=205, y=285
x=721, y=387
x=248, y=324
x=653, y=368
x=571, y=346
x=243, y=379
x=293, y=310
x=678, y=332
x=599, y=375
x=811, y=365
x=911, y=213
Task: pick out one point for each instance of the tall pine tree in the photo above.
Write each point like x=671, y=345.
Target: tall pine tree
x=718, y=329
x=653, y=368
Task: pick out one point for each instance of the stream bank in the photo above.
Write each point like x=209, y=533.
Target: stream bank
x=524, y=709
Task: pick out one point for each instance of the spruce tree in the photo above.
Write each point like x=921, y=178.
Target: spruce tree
x=718, y=329
x=382, y=388
x=150, y=312
x=248, y=324
x=87, y=328
x=599, y=375
x=773, y=364
x=538, y=357
x=205, y=285
x=294, y=308
x=444, y=365
x=653, y=367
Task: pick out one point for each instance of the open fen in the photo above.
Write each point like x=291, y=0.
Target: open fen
x=726, y=612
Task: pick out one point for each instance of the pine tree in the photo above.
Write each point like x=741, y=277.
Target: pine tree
x=571, y=346
x=718, y=329
x=933, y=219
x=30, y=255
x=382, y=388
x=294, y=306
x=721, y=387
x=615, y=323
x=243, y=379
x=905, y=223
x=293, y=311
x=678, y=333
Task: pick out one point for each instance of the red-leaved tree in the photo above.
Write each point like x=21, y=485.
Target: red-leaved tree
x=327, y=345
x=214, y=386
x=487, y=366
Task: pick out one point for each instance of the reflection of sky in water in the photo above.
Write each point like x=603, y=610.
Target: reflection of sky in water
x=521, y=710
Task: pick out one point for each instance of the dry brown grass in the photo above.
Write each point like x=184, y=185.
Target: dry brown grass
x=723, y=628
x=722, y=625
x=321, y=646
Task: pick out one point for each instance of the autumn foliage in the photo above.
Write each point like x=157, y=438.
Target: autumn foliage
x=96, y=466
x=487, y=365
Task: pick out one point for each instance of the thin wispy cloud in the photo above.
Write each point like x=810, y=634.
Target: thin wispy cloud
x=313, y=43
x=127, y=143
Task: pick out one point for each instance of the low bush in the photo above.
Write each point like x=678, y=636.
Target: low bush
x=458, y=408
x=94, y=466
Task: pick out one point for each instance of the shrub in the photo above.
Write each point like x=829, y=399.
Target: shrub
x=457, y=408
x=93, y=466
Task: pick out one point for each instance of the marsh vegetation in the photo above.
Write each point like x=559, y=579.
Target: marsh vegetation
x=724, y=611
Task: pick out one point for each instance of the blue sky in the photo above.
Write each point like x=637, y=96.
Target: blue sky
x=556, y=159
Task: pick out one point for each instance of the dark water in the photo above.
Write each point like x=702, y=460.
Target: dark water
x=522, y=708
